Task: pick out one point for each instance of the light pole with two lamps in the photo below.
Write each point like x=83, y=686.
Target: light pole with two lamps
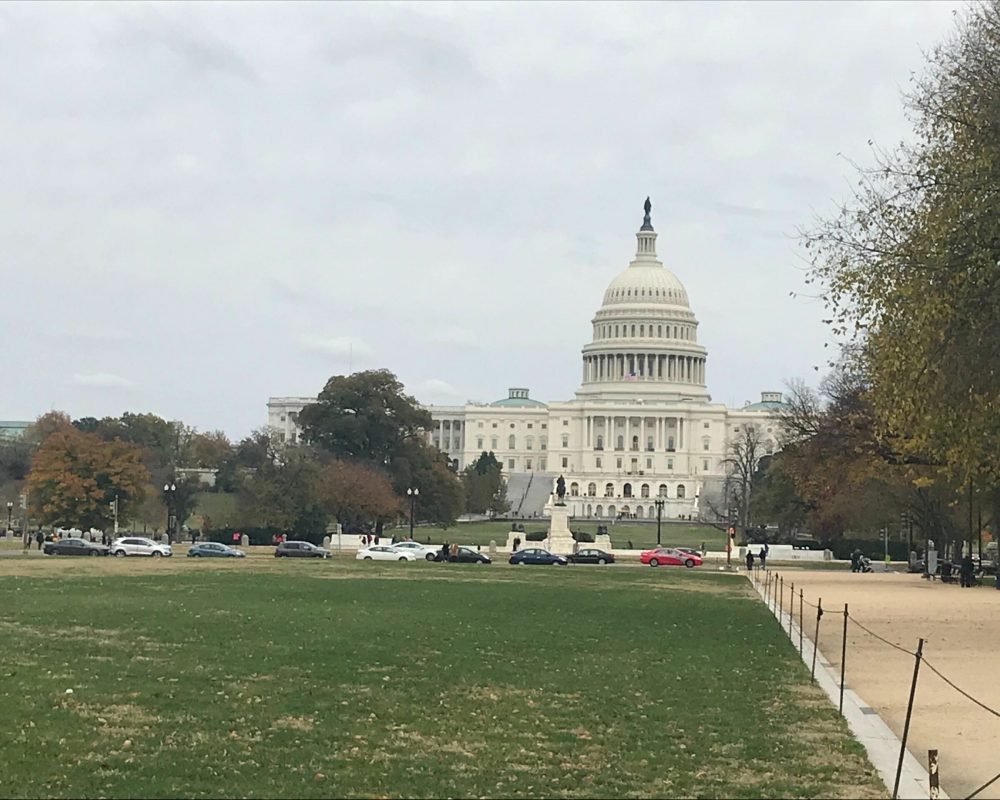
x=10, y=511
x=412, y=494
x=659, y=515
x=169, y=492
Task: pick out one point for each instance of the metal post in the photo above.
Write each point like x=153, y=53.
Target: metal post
x=659, y=511
x=781, y=597
x=819, y=613
x=791, y=609
x=906, y=725
x=801, y=619
x=979, y=531
x=932, y=774
x=843, y=661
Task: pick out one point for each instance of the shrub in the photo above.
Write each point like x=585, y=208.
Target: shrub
x=536, y=536
x=582, y=536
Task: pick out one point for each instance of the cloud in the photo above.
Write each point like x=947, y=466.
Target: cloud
x=100, y=380
x=454, y=337
x=436, y=389
x=336, y=346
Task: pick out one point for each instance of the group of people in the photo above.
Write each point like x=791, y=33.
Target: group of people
x=761, y=556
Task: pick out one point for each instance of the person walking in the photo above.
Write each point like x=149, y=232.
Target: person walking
x=967, y=570
x=517, y=543
x=762, y=555
x=749, y=561
x=443, y=554
x=39, y=537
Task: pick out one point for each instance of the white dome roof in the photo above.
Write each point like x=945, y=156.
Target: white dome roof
x=646, y=283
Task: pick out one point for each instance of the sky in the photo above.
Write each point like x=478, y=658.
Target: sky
x=202, y=206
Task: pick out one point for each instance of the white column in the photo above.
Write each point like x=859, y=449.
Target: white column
x=642, y=433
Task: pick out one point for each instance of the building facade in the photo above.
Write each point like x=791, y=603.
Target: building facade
x=641, y=427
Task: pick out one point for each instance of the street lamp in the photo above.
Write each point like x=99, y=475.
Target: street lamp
x=412, y=494
x=10, y=510
x=169, y=492
x=659, y=515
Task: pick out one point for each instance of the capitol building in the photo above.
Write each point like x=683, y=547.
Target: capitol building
x=640, y=428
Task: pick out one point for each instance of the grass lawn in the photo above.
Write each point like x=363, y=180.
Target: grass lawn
x=642, y=535
x=345, y=679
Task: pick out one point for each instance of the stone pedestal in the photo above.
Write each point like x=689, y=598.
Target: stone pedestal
x=560, y=540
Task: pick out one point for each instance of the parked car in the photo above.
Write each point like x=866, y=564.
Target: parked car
x=536, y=555
x=75, y=547
x=805, y=543
x=299, y=550
x=669, y=556
x=465, y=555
x=139, y=546
x=419, y=550
x=384, y=552
x=214, y=550
x=690, y=550
x=591, y=556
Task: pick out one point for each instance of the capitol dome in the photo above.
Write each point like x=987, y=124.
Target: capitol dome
x=645, y=334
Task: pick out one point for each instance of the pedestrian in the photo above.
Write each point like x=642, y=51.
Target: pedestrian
x=767, y=549
x=967, y=570
x=517, y=543
x=576, y=547
x=454, y=551
x=39, y=537
x=749, y=560
x=376, y=539
x=762, y=555
x=194, y=536
x=443, y=555
x=855, y=560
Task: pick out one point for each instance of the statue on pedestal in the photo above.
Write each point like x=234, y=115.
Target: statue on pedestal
x=560, y=491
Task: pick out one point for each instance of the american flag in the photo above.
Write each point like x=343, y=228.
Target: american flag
x=630, y=376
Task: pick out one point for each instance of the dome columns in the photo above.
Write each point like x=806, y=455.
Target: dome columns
x=638, y=366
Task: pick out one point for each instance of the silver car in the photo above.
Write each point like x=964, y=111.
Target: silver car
x=139, y=546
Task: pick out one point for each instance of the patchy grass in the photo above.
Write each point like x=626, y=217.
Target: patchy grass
x=262, y=679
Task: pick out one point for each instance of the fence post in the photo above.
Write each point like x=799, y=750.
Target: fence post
x=932, y=774
x=819, y=613
x=791, y=609
x=801, y=620
x=781, y=596
x=843, y=661
x=909, y=711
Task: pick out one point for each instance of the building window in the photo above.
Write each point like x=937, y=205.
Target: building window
x=704, y=465
x=512, y=426
x=282, y=417
x=511, y=442
x=598, y=463
x=680, y=491
x=527, y=464
x=529, y=443
x=659, y=330
x=544, y=426
x=493, y=443
x=705, y=425
x=479, y=443
x=479, y=424
x=565, y=462
x=510, y=463
x=621, y=444
x=627, y=490
x=591, y=490
x=705, y=445
x=600, y=443
x=670, y=463
x=494, y=424
x=565, y=440
x=574, y=489
x=609, y=490
x=565, y=422
x=662, y=490
x=649, y=463
x=670, y=443
x=541, y=465
x=530, y=426
x=619, y=466
x=542, y=442
x=649, y=444
x=644, y=490
x=281, y=436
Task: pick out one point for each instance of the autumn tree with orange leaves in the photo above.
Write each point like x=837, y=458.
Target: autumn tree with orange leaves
x=75, y=477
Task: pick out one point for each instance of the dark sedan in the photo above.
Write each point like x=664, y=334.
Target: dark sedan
x=535, y=555
x=592, y=556
x=214, y=550
x=74, y=547
x=466, y=555
x=300, y=550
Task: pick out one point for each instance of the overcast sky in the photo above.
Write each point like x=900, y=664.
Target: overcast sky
x=202, y=206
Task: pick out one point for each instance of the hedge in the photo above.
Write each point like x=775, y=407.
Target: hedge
x=873, y=548
x=258, y=536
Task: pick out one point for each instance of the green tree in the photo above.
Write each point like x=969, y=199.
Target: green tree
x=358, y=497
x=484, y=486
x=909, y=265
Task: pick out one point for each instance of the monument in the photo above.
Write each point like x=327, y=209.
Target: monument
x=560, y=539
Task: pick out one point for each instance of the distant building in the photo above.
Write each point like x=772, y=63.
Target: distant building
x=14, y=429
x=641, y=427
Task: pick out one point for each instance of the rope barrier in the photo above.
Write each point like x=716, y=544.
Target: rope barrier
x=961, y=691
x=986, y=785
x=882, y=638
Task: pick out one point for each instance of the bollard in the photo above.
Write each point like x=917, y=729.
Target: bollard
x=819, y=613
x=843, y=660
x=932, y=774
x=906, y=725
x=801, y=621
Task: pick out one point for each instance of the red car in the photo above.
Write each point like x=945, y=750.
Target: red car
x=668, y=556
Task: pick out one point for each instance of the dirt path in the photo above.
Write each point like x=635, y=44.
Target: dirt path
x=961, y=629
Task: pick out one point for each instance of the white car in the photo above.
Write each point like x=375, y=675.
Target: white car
x=139, y=546
x=384, y=552
x=419, y=550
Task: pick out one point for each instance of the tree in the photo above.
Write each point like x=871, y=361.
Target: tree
x=364, y=417
x=774, y=499
x=75, y=477
x=210, y=450
x=282, y=493
x=358, y=497
x=421, y=466
x=744, y=453
x=909, y=265
x=485, y=490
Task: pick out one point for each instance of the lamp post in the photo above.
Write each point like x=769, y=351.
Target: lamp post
x=412, y=494
x=169, y=491
x=659, y=516
x=10, y=511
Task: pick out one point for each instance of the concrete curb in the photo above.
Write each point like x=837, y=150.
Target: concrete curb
x=881, y=744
